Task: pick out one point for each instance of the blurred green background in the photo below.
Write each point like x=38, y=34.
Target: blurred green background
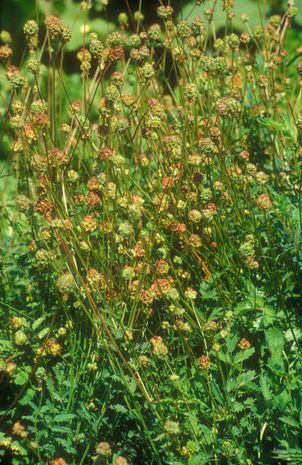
x=13, y=13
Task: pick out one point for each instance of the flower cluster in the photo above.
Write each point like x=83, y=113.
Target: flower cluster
x=161, y=199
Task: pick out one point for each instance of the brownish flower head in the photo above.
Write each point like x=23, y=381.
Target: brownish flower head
x=58, y=461
x=54, y=27
x=165, y=12
x=103, y=449
x=162, y=266
x=106, y=153
x=204, y=361
x=29, y=133
x=75, y=107
x=79, y=199
x=16, y=322
x=194, y=240
x=58, y=157
x=84, y=55
x=146, y=297
x=228, y=107
x=120, y=461
x=10, y=368
x=244, y=344
x=264, y=202
x=53, y=347
x=19, y=430
x=41, y=120
x=89, y=223
x=161, y=286
x=93, y=199
x=5, y=52
x=159, y=349
x=180, y=228
x=44, y=207
x=93, y=184
x=116, y=53
x=95, y=278
x=138, y=250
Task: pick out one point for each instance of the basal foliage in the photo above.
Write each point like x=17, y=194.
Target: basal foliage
x=151, y=289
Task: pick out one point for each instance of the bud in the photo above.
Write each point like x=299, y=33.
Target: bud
x=5, y=37
x=123, y=19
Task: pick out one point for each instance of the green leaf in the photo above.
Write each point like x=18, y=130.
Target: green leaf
x=209, y=436
x=22, y=376
x=243, y=308
x=38, y=322
x=131, y=384
x=119, y=408
x=60, y=429
x=21, y=450
x=159, y=437
x=269, y=315
x=265, y=388
x=5, y=344
x=243, y=355
x=28, y=396
x=43, y=333
x=231, y=384
x=64, y=417
x=292, y=456
x=270, y=123
x=217, y=392
x=224, y=357
x=275, y=341
x=246, y=377
x=231, y=342
x=66, y=444
x=282, y=400
x=290, y=421
x=199, y=459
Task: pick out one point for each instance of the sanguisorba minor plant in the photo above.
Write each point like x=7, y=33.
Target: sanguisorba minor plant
x=165, y=216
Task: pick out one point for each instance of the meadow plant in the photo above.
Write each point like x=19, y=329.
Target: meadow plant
x=158, y=319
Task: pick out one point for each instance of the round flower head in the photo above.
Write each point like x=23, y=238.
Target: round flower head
x=120, y=461
x=56, y=29
x=103, y=449
x=5, y=37
x=172, y=427
x=58, y=461
x=31, y=28
x=20, y=338
x=66, y=283
x=159, y=349
x=165, y=12
x=244, y=344
x=228, y=107
x=5, y=52
x=264, y=202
